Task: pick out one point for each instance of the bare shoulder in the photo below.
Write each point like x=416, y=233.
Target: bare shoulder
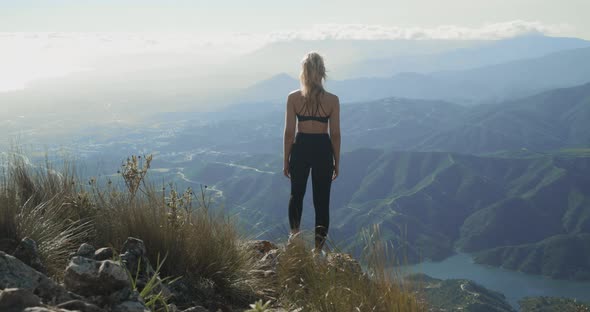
x=331, y=98
x=295, y=93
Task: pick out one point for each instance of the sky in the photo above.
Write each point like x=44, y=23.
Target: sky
x=219, y=16
x=44, y=39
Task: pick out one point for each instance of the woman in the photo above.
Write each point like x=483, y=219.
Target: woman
x=315, y=114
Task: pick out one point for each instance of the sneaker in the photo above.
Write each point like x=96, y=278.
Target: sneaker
x=321, y=253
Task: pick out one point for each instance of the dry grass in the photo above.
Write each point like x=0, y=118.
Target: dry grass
x=34, y=203
x=60, y=212
x=315, y=283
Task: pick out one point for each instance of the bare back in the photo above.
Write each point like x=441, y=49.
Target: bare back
x=328, y=101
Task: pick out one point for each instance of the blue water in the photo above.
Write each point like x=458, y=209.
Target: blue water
x=514, y=285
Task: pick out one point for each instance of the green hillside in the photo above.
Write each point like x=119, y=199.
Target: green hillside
x=550, y=304
x=427, y=203
x=459, y=295
x=560, y=256
x=547, y=121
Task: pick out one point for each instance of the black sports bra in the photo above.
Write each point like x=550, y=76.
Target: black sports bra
x=314, y=113
x=316, y=118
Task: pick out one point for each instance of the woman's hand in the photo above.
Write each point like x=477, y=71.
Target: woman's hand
x=335, y=172
x=286, y=169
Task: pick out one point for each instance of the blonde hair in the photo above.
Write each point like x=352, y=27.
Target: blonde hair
x=313, y=73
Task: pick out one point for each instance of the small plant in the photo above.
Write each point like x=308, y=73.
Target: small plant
x=134, y=171
x=154, y=299
x=259, y=306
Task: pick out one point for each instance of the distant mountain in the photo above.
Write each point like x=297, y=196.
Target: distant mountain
x=482, y=54
x=544, y=122
x=560, y=256
x=492, y=83
x=550, y=120
x=282, y=56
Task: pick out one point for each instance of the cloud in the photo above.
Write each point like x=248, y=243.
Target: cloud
x=28, y=56
x=451, y=32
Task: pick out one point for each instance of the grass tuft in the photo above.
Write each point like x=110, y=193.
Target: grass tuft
x=315, y=283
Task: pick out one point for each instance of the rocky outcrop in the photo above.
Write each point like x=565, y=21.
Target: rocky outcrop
x=28, y=252
x=89, y=277
x=15, y=274
x=92, y=282
x=15, y=299
x=105, y=253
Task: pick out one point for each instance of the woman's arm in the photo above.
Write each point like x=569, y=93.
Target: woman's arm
x=335, y=136
x=289, y=136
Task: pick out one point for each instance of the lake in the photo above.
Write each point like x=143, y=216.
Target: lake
x=514, y=285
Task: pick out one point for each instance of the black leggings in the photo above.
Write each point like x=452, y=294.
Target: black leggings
x=311, y=151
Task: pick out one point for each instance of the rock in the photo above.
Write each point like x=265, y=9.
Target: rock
x=182, y=293
x=131, y=306
x=85, y=250
x=134, y=246
x=196, y=309
x=80, y=305
x=15, y=274
x=173, y=308
x=260, y=247
x=270, y=260
x=16, y=299
x=134, y=255
x=28, y=252
x=105, y=253
x=115, y=298
x=89, y=277
x=8, y=245
x=44, y=309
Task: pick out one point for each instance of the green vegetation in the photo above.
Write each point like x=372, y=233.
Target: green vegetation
x=459, y=295
x=429, y=203
x=550, y=304
x=560, y=256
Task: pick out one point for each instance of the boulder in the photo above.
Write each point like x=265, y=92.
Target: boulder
x=79, y=305
x=105, y=253
x=28, y=252
x=135, y=246
x=131, y=306
x=17, y=299
x=134, y=256
x=85, y=250
x=89, y=277
x=15, y=274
